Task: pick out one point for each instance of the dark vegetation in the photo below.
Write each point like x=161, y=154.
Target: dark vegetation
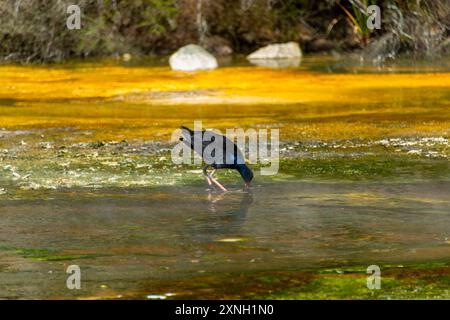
x=35, y=30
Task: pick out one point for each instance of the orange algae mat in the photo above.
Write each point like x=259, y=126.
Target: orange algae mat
x=149, y=102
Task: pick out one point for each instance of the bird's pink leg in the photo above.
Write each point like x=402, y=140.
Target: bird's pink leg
x=217, y=183
x=211, y=180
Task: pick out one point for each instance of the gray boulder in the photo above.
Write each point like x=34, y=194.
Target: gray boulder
x=287, y=50
x=191, y=58
x=277, y=63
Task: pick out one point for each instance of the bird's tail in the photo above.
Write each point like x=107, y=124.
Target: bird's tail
x=187, y=129
x=187, y=136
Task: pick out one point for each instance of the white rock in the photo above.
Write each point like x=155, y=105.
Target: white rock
x=126, y=57
x=277, y=51
x=156, y=296
x=192, y=58
x=277, y=63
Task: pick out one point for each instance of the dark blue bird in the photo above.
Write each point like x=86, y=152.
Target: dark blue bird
x=232, y=157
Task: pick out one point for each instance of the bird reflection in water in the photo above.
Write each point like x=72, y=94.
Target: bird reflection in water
x=225, y=214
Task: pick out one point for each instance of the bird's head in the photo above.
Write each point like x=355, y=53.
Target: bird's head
x=246, y=174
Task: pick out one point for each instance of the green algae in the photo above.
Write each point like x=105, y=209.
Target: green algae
x=52, y=255
x=112, y=165
x=370, y=167
x=37, y=254
x=421, y=281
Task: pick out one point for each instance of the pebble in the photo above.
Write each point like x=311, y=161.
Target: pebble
x=156, y=296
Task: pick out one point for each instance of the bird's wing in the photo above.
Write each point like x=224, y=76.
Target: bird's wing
x=231, y=153
x=236, y=155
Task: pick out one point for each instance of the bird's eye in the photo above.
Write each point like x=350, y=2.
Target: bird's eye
x=181, y=139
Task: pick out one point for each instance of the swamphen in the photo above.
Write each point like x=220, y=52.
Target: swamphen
x=232, y=156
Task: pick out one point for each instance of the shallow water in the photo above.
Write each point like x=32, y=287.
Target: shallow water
x=86, y=176
x=129, y=241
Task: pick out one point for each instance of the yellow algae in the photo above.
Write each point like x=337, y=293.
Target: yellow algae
x=234, y=85
x=149, y=102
